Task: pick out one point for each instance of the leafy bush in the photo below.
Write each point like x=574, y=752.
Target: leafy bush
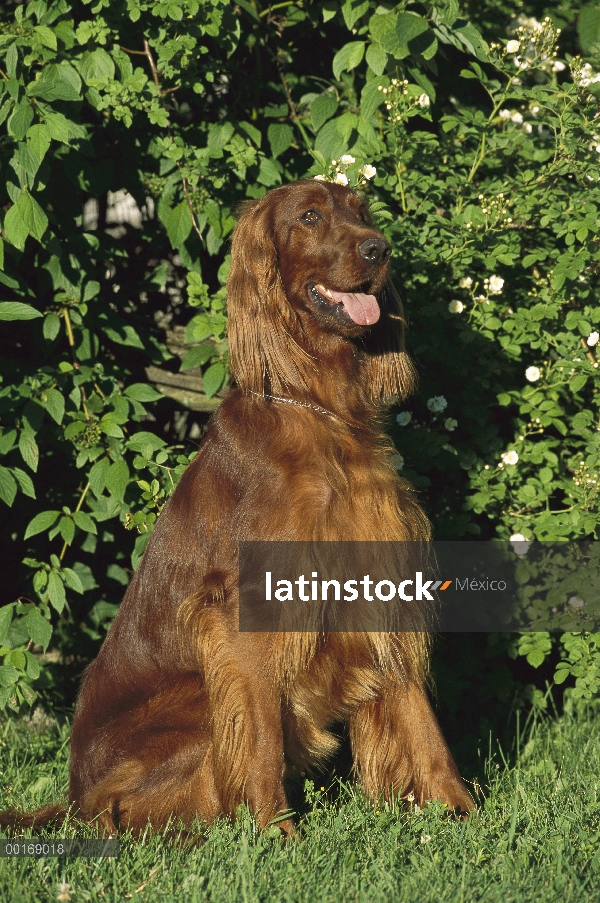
x=132, y=128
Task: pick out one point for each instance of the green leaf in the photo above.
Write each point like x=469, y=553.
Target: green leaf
x=268, y=173
x=177, y=221
x=33, y=667
x=62, y=129
x=408, y=27
x=352, y=10
x=8, y=486
x=15, y=229
x=84, y=522
x=382, y=29
x=33, y=216
x=66, y=528
x=578, y=382
x=348, y=57
x=198, y=356
x=46, y=36
x=471, y=38
x=588, y=28
x=53, y=402
x=56, y=82
x=97, y=476
x=142, y=392
x=72, y=579
x=97, y=68
x=110, y=428
x=16, y=310
x=8, y=675
x=20, y=120
x=25, y=162
x=376, y=59
x=38, y=140
x=536, y=658
x=117, y=479
x=56, y=592
x=252, y=132
x=29, y=449
x=322, y=108
x=144, y=438
x=125, y=335
x=280, y=137
x=247, y=7
x=563, y=671
x=51, y=326
x=214, y=378
x=42, y=521
x=6, y=613
x=24, y=218
x=25, y=482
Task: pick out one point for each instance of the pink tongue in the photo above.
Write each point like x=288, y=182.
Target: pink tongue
x=363, y=309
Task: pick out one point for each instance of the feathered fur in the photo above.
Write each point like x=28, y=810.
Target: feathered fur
x=182, y=715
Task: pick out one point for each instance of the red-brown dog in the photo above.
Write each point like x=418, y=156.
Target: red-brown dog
x=182, y=714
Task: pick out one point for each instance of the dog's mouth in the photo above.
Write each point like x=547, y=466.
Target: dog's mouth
x=361, y=308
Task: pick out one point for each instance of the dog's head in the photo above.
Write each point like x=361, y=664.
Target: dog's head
x=308, y=263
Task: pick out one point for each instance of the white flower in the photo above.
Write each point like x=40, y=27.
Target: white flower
x=520, y=544
x=513, y=46
x=437, y=404
x=456, y=307
x=424, y=100
x=64, y=893
x=466, y=282
x=341, y=179
x=450, y=424
x=532, y=374
x=404, y=418
x=347, y=159
x=505, y=114
x=557, y=66
x=576, y=602
x=425, y=838
x=320, y=178
x=368, y=171
x=510, y=457
x=496, y=285
x=397, y=462
x=516, y=117
x=593, y=338
x=528, y=128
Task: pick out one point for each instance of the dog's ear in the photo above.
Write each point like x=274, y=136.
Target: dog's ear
x=261, y=322
x=392, y=374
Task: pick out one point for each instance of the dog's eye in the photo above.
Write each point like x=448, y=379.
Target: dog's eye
x=311, y=217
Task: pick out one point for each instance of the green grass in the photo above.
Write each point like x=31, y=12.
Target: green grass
x=534, y=838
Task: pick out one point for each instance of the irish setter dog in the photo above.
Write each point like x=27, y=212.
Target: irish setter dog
x=182, y=715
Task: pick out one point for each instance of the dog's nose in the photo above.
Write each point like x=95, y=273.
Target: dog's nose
x=375, y=250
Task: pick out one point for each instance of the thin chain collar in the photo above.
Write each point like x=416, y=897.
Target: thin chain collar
x=299, y=404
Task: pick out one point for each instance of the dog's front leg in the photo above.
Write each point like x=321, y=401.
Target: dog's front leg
x=398, y=748
x=245, y=719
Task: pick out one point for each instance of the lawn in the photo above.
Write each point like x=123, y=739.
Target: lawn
x=535, y=835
